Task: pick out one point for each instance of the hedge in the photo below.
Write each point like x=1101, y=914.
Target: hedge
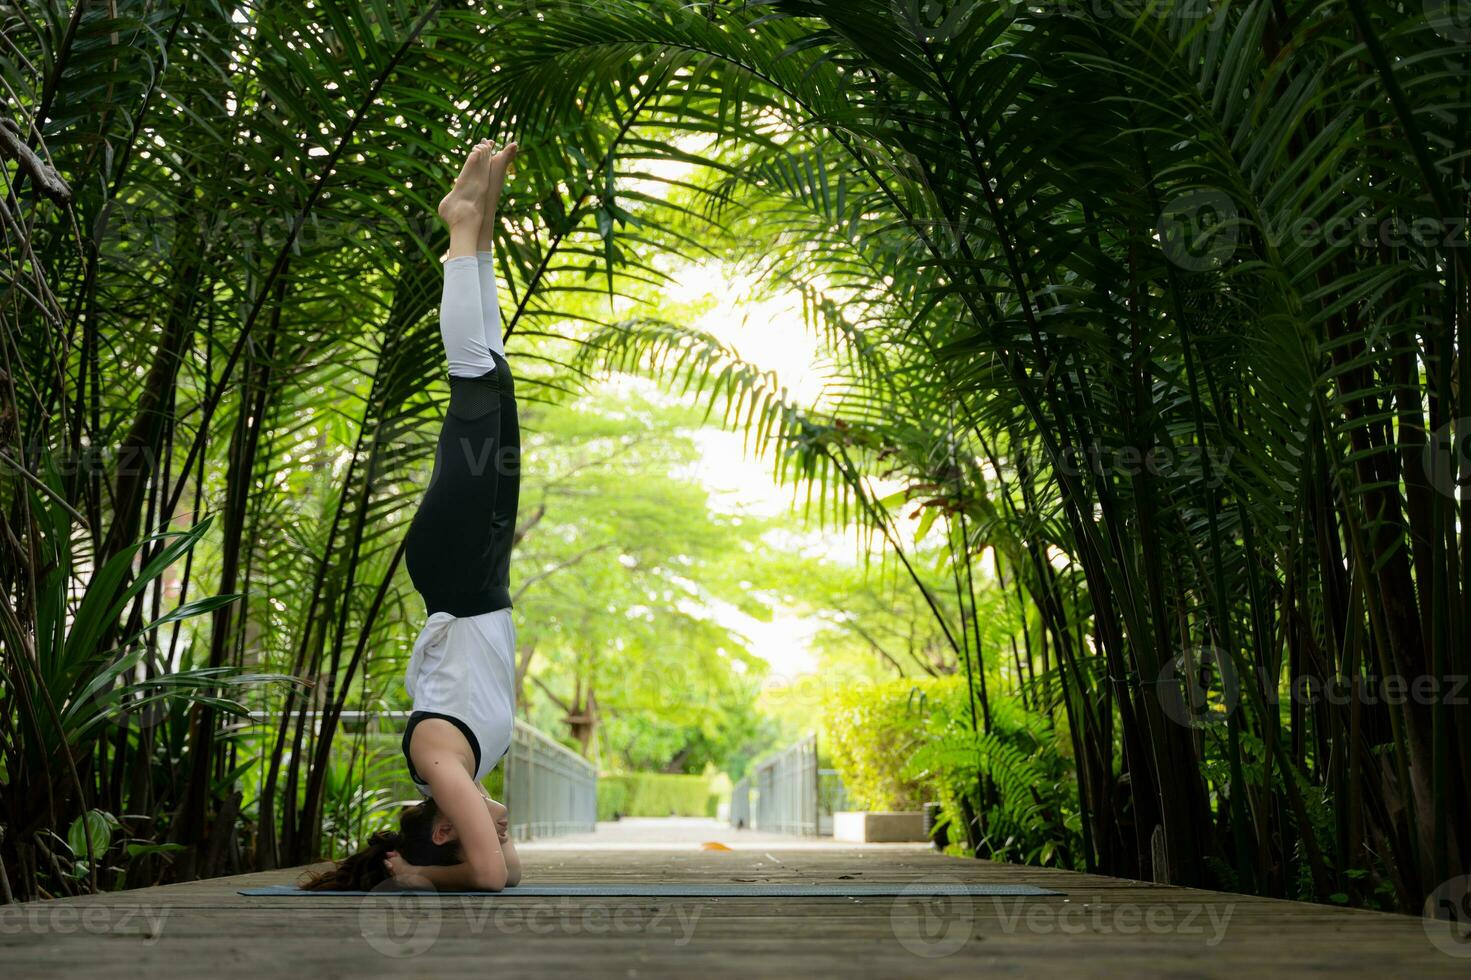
x=654, y=794
x=871, y=731
x=1008, y=794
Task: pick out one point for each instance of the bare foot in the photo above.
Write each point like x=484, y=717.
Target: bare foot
x=466, y=200
x=500, y=163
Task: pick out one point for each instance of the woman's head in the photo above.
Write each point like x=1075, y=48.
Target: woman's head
x=424, y=838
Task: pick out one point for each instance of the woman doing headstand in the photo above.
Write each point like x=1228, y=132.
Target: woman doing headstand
x=462, y=672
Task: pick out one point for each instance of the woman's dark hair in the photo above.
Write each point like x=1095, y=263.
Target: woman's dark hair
x=414, y=840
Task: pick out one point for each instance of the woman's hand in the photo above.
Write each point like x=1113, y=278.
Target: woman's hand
x=502, y=818
x=400, y=870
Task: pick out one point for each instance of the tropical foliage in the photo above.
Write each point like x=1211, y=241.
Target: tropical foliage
x=1164, y=308
x=1157, y=315
x=1008, y=793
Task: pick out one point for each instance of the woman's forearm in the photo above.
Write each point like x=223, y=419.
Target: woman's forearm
x=465, y=876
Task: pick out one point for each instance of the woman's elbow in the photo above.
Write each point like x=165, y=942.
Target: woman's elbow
x=491, y=880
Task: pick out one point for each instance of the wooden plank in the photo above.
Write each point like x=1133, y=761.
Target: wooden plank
x=1102, y=927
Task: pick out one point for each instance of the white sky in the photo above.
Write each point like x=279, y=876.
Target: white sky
x=768, y=333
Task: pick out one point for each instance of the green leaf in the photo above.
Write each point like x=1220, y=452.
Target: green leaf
x=96, y=826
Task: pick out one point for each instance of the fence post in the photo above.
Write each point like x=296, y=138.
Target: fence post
x=740, y=804
x=787, y=790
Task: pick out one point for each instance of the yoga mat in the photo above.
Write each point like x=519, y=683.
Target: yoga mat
x=732, y=890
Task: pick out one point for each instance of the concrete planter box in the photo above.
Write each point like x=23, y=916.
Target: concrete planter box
x=868, y=827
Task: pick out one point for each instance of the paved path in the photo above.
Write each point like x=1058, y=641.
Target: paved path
x=1101, y=927
x=690, y=833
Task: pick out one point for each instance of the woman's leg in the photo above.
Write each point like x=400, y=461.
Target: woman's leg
x=490, y=307
x=461, y=315
x=461, y=318
x=490, y=311
x=446, y=544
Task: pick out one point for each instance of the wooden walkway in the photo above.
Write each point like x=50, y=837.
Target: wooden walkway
x=1102, y=927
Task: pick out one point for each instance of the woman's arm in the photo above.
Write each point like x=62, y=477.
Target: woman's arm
x=462, y=802
x=502, y=818
x=463, y=877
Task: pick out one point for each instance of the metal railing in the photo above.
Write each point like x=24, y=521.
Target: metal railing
x=740, y=804
x=793, y=796
x=786, y=791
x=550, y=790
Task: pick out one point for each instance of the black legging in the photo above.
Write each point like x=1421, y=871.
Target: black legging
x=458, y=549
